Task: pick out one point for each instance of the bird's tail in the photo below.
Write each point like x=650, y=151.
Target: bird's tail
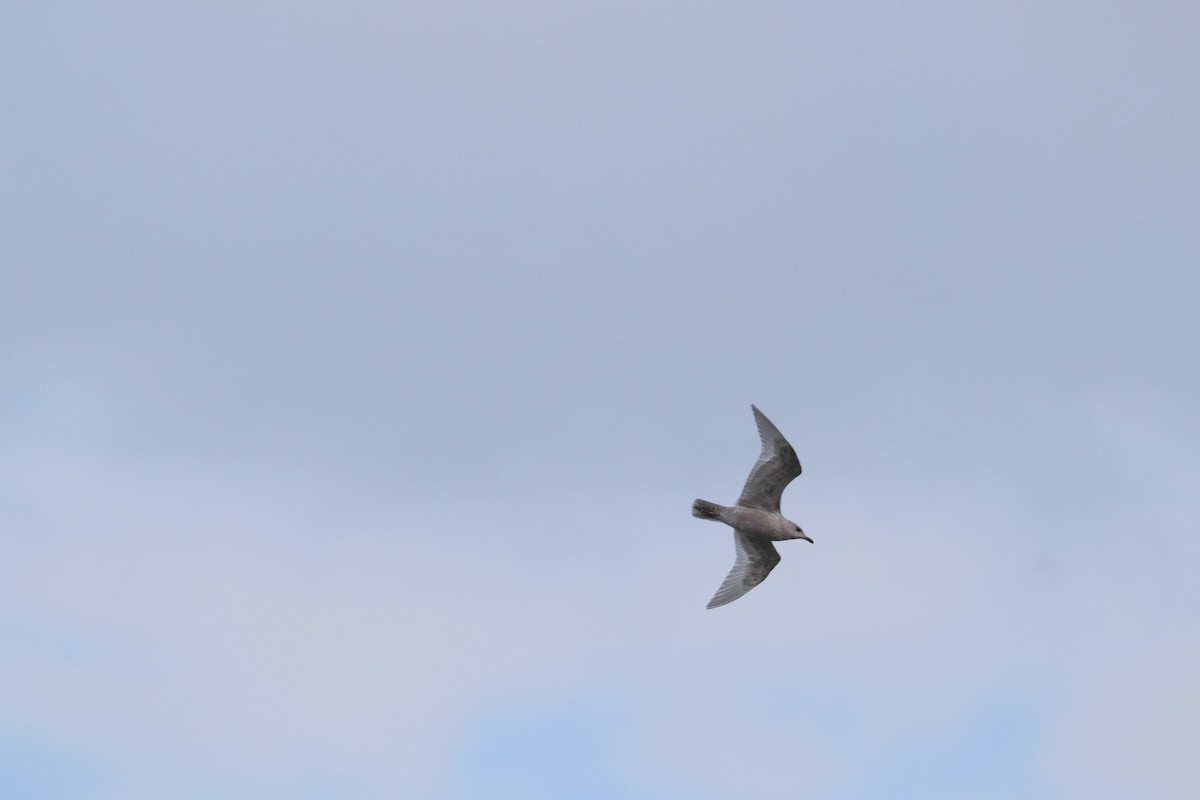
x=706, y=510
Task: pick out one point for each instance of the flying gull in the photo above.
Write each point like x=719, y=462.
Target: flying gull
x=756, y=520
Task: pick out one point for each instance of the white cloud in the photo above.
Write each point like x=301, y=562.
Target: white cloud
x=277, y=622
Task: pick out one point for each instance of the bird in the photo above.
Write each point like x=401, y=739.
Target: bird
x=756, y=520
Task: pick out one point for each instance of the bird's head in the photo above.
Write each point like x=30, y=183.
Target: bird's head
x=800, y=534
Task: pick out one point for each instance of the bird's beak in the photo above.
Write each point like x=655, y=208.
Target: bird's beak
x=805, y=538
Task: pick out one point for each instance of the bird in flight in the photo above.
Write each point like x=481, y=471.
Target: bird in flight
x=756, y=520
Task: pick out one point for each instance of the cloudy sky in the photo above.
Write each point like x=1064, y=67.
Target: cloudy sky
x=359, y=363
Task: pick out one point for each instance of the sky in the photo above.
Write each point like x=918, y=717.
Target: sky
x=360, y=363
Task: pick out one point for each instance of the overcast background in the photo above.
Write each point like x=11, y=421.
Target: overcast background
x=359, y=363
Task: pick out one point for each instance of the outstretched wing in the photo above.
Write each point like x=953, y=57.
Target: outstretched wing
x=776, y=466
x=755, y=560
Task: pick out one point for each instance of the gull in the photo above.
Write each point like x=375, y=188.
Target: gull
x=756, y=520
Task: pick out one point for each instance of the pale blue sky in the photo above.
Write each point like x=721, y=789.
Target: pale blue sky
x=362, y=360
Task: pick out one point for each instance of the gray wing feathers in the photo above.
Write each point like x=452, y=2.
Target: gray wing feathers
x=777, y=465
x=755, y=560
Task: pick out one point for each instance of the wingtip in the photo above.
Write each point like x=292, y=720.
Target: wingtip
x=719, y=601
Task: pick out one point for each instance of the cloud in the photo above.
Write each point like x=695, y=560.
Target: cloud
x=361, y=365
x=276, y=625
